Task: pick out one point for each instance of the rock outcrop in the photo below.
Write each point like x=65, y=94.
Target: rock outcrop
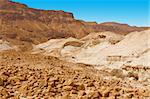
x=4, y=45
x=90, y=45
x=134, y=46
x=23, y=25
x=106, y=48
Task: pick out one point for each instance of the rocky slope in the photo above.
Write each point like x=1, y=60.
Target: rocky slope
x=22, y=25
x=27, y=76
x=77, y=60
x=121, y=56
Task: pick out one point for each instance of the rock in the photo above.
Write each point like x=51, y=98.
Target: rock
x=1, y=82
x=83, y=97
x=4, y=77
x=67, y=88
x=65, y=97
x=59, y=86
x=43, y=83
x=145, y=93
x=81, y=87
x=68, y=82
x=54, y=79
x=74, y=92
x=13, y=80
x=73, y=96
x=5, y=93
x=106, y=92
x=81, y=93
x=130, y=96
x=117, y=72
x=134, y=75
x=96, y=95
x=23, y=89
x=90, y=84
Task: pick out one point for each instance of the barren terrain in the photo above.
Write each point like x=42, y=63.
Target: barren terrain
x=46, y=54
x=23, y=75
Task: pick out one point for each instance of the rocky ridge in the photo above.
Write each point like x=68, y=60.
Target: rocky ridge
x=24, y=26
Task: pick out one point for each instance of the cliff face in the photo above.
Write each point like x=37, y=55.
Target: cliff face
x=26, y=24
x=15, y=11
x=23, y=25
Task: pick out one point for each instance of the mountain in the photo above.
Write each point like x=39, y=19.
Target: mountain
x=65, y=58
x=123, y=29
x=24, y=26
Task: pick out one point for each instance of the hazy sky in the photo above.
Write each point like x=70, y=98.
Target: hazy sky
x=133, y=12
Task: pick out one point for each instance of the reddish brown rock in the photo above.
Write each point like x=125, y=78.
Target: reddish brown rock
x=23, y=26
x=1, y=82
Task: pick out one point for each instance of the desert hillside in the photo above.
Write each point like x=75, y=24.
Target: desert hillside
x=22, y=25
x=94, y=67
x=27, y=76
x=104, y=48
x=106, y=51
x=47, y=54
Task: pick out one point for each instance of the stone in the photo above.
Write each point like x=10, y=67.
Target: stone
x=81, y=87
x=43, y=83
x=74, y=92
x=117, y=72
x=90, y=84
x=83, y=97
x=13, y=80
x=134, y=75
x=106, y=92
x=68, y=82
x=81, y=93
x=4, y=93
x=59, y=86
x=23, y=89
x=146, y=94
x=1, y=82
x=67, y=88
x=65, y=97
x=96, y=95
